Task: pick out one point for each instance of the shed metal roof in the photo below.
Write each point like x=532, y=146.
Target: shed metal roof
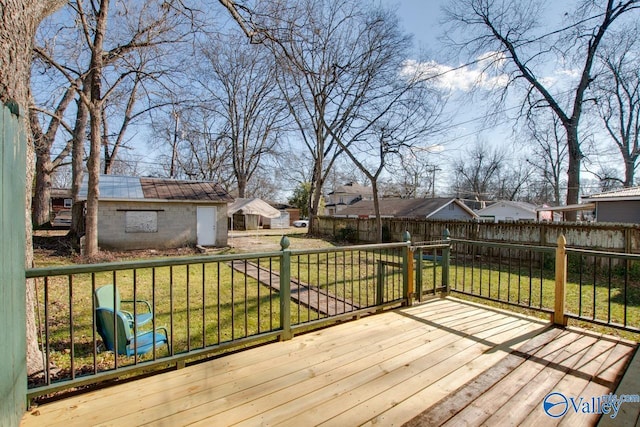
x=115, y=187
x=629, y=193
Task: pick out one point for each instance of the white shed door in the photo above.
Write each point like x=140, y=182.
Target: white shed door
x=206, y=225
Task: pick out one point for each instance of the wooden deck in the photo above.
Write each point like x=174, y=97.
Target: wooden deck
x=443, y=362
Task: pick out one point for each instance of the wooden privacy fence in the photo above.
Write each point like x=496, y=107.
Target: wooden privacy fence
x=622, y=238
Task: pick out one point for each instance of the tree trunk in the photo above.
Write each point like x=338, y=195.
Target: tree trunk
x=42, y=194
x=95, y=123
x=77, y=167
x=107, y=160
x=242, y=186
x=573, y=171
x=315, y=197
x=376, y=209
x=35, y=360
x=20, y=19
x=629, y=171
x=93, y=191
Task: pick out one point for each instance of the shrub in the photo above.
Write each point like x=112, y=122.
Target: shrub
x=348, y=234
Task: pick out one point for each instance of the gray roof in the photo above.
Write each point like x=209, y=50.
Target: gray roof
x=403, y=208
x=519, y=205
x=115, y=187
x=352, y=188
x=60, y=193
x=629, y=193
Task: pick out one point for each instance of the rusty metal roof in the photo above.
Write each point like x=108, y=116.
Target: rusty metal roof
x=115, y=187
x=168, y=189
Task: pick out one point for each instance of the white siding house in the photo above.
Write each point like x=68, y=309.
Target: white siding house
x=346, y=195
x=505, y=210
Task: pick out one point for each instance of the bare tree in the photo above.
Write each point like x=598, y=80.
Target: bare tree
x=618, y=93
x=607, y=177
x=266, y=183
x=513, y=181
x=294, y=167
x=510, y=29
x=477, y=171
x=200, y=150
x=396, y=116
x=240, y=84
x=43, y=143
x=413, y=174
x=549, y=153
x=336, y=57
x=109, y=60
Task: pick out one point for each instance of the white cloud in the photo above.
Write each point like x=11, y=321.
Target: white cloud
x=483, y=73
x=561, y=78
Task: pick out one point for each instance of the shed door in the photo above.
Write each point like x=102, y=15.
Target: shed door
x=206, y=225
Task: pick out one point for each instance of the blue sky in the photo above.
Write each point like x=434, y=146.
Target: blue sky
x=422, y=19
x=464, y=123
x=419, y=17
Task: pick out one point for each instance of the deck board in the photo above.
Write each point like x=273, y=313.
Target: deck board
x=442, y=361
x=629, y=414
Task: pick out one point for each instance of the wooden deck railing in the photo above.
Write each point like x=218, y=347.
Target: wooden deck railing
x=587, y=285
x=213, y=304
x=207, y=304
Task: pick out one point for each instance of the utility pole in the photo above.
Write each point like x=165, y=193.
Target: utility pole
x=433, y=170
x=174, y=154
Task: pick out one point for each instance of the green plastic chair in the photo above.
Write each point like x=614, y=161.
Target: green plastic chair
x=127, y=342
x=104, y=299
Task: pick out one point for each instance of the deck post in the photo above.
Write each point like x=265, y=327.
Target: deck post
x=446, y=253
x=285, y=290
x=407, y=269
x=419, y=274
x=558, y=316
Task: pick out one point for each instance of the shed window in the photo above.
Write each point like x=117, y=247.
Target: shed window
x=141, y=222
x=68, y=203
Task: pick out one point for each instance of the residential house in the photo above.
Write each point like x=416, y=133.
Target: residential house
x=345, y=195
x=444, y=208
x=622, y=205
x=60, y=200
x=506, y=210
x=145, y=213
